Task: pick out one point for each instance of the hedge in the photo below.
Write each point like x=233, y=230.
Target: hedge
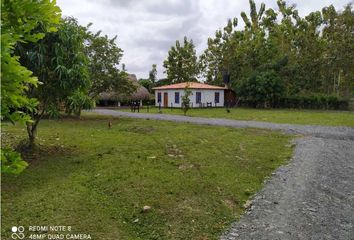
x=325, y=102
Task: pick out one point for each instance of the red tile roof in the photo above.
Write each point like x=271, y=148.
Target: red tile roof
x=192, y=85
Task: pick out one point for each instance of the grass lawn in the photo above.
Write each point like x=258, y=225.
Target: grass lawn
x=311, y=117
x=97, y=180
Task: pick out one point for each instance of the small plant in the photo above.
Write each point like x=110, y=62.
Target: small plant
x=185, y=100
x=11, y=161
x=78, y=101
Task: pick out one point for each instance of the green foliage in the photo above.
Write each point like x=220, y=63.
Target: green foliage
x=147, y=83
x=318, y=101
x=186, y=100
x=263, y=89
x=318, y=47
x=19, y=24
x=79, y=101
x=216, y=59
x=153, y=74
x=11, y=161
x=60, y=63
x=181, y=64
x=104, y=57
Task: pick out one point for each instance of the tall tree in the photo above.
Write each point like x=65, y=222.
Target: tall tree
x=216, y=59
x=19, y=23
x=60, y=63
x=181, y=64
x=104, y=58
x=317, y=48
x=153, y=74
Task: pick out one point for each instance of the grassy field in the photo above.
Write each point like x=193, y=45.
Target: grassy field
x=311, y=117
x=97, y=180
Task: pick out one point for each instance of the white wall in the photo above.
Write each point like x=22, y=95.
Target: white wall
x=206, y=95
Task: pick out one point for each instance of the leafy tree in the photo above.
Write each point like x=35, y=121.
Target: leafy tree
x=318, y=49
x=19, y=23
x=262, y=89
x=77, y=101
x=162, y=82
x=104, y=58
x=337, y=64
x=215, y=61
x=11, y=161
x=185, y=100
x=181, y=64
x=153, y=74
x=147, y=83
x=60, y=63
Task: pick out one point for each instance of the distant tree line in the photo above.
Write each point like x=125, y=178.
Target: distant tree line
x=278, y=59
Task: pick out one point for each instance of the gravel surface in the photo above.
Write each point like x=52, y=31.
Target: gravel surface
x=310, y=198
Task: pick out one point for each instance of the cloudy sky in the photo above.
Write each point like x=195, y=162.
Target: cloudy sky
x=146, y=29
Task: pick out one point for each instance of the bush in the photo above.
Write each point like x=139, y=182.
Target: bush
x=11, y=161
x=325, y=102
x=78, y=101
x=263, y=89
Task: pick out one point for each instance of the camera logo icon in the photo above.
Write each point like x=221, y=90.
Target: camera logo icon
x=17, y=232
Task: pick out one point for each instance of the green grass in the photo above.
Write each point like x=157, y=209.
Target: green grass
x=97, y=180
x=310, y=117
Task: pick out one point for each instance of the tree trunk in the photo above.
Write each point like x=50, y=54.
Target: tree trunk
x=32, y=134
x=32, y=128
x=78, y=113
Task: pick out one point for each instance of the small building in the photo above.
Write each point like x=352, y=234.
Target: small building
x=203, y=95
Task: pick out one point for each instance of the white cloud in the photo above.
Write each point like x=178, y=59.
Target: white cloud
x=147, y=29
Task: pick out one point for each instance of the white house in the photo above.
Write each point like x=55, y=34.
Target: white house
x=203, y=95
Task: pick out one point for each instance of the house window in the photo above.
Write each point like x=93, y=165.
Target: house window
x=176, y=97
x=159, y=97
x=198, y=97
x=217, y=97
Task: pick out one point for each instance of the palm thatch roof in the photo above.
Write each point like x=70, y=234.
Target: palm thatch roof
x=141, y=93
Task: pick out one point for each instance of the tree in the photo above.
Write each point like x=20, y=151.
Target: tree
x=147, y=83
x=19, y=22
x=104, y=57
x=77, y=101
x=185, y=100
x=318, y=49
x=215, y=60
x=60, y=63
x=181, y=64
x=153, y=74
x=262, y=89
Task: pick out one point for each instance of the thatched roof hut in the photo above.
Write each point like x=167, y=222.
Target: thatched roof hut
x=141, y=93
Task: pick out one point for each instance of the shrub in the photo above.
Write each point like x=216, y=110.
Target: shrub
x=78, y=101
x=263, y=89
x=320, y=101
x=325, y=102
x=186, y=100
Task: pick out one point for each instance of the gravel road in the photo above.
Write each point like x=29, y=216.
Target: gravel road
x=310, y=198
x=317, y=131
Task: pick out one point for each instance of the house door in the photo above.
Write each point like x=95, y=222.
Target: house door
x=165, y=99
